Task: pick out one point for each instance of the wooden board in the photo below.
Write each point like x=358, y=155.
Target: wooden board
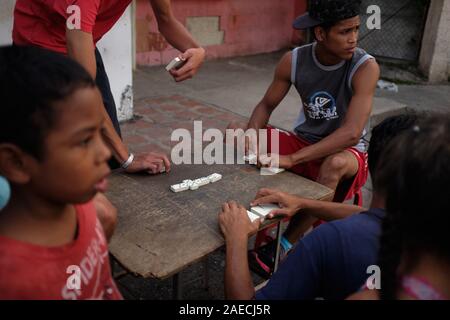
x=160, y=232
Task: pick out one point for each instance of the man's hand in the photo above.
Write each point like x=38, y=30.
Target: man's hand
x=235, y=223
x=285, y=162
x=152, y=162
x=289, y=204
x=194, y=58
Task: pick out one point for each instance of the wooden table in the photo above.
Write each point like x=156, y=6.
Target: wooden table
x=160, y=233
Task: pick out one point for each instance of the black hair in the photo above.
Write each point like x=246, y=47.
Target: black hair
x=326, y=26
x=414, y=173
x=31, y=81
x=331, y=12
x=334, y=10
x=384, y=133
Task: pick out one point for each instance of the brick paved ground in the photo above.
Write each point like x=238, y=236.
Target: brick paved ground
x=155, y=118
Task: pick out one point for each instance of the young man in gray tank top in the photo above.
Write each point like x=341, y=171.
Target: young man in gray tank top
x=336, y=81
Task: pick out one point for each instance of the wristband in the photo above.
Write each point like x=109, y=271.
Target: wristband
x=127, y=163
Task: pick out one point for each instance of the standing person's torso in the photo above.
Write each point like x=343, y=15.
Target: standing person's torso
x=43, y=23
x=326, y=92
x=29, y=271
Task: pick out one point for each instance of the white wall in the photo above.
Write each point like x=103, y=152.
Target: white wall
x=6, y=13
x=115, y=47
x=116, y=50
x=435, y=54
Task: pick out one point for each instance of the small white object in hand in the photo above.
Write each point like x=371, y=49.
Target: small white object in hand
x=263, y=209
x=195, y=184
x=253, y=216
x=175, y=63
x=271, y=170
x=265, y=160
x=251, y=158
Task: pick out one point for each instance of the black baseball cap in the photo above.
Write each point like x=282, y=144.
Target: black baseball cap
x=321, y=11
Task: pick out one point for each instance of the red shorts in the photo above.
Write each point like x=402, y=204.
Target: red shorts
x=291, y=143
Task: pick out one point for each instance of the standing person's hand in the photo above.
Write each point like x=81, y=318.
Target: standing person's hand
x=194, y=58
x=289, y=204
x=235, y=223
x=152, y=162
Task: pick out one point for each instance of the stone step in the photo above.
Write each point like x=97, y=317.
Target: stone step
x=384, y=108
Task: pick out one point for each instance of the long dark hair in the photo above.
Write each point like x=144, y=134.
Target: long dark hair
x=414, y=177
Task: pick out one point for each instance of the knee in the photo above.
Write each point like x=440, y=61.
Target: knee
x=332, y=169
x=335, y=164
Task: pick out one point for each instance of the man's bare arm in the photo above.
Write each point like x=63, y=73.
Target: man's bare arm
x=180, y=38
x=277, y=90
x=329, y=211
x=236, y=228
x=172, y=30
x=292, y=204
x=80, y=47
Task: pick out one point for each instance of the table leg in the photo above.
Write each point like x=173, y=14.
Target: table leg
x=206, y=273
x=176, y=287
x=277, y=250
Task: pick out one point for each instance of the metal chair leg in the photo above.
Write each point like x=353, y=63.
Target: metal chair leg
x=176, y=287
x=277, y=250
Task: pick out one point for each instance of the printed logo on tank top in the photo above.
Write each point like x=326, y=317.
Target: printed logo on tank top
x=321, y=106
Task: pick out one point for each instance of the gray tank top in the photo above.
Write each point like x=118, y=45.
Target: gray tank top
x=326, y=92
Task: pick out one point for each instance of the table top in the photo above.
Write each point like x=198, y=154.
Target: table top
x=159, y=232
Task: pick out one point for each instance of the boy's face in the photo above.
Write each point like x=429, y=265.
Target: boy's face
x=341, y=39
x=74, y=165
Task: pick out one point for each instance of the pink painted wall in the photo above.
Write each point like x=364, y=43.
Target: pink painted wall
x=250, y=26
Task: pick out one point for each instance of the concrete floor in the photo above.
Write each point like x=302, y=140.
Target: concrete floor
x=238, y=84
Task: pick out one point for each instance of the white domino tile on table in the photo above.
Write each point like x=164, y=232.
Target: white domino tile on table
x=214, y=177
x=201, y=181
x=179, y=187
x=271, y=170
x=196, y=183
x=194, y=186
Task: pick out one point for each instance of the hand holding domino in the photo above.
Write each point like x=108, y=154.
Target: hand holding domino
x=175, y=63
x=253, y=216
x=252, y=158
x=263, y=210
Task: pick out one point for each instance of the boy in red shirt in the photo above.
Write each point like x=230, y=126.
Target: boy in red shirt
x=52, y=246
